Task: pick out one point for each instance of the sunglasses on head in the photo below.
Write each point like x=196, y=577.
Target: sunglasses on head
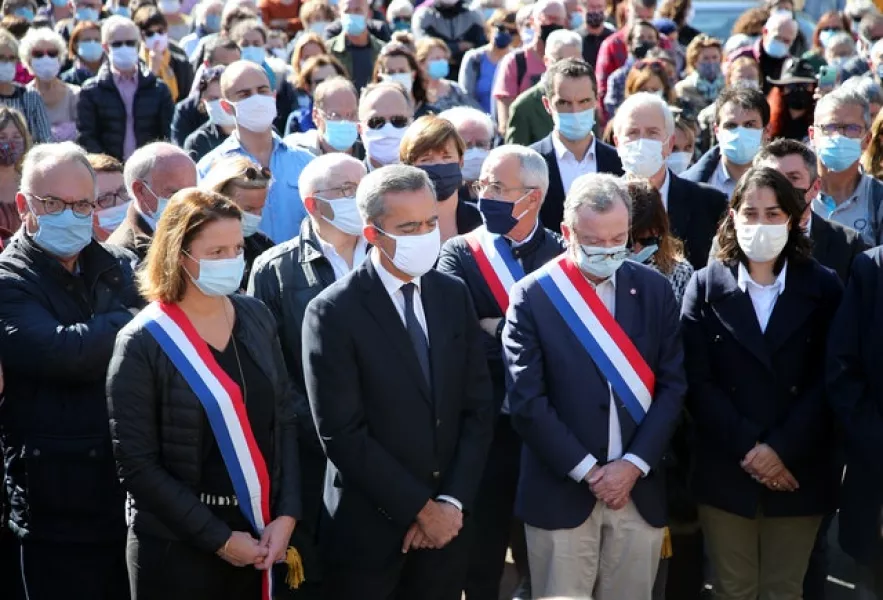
x=653, y=65
x=253, y=174
x=129, y=43
x=399, y=122
x=53, y=53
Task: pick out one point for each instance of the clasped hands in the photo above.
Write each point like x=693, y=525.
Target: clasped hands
x=437, y=524
x=242, y=550
x=612, y=484
x=765, y=466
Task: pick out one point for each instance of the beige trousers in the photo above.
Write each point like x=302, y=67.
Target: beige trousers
x=758, y=559
x=614, y=555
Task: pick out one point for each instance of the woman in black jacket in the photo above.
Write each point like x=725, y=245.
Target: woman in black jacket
x=755, y=324
x=183, y=408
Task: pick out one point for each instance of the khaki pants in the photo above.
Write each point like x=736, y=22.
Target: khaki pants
x=614, y=555
x=758, y=559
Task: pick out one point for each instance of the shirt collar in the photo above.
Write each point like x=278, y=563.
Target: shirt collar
x=515, y=244
x=119, y=76
x=744, y=279
x=722, y=172
x=663, y=189
x=390, y=282
x=329, y=249
x=561, y=150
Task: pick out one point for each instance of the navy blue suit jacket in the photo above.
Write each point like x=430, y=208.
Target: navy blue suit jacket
x=560, y=401
x=855, y=391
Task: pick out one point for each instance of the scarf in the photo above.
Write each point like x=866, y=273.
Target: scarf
x=166, y=73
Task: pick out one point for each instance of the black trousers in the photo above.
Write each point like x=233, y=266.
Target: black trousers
x=165, y=570
x=816, y=578
x=491, y=522
x=684, y=578
x=10, y=566
x=52, y=570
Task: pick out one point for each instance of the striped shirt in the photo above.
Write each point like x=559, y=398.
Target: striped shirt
x=30, y=104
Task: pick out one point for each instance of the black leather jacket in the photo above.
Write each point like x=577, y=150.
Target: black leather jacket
x=157, y=426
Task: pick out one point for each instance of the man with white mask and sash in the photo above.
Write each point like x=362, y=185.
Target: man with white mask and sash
x=596, y=386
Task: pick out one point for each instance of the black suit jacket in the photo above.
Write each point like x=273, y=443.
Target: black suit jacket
x=393, y=441
x=834, y=245
x=552, y=212
x=694, y=211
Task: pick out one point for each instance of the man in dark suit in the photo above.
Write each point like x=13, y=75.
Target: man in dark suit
x=855, y=391
x=513, y=181
x=398, y=384
x=589, y=492
x=571, y=149
x=834, y=245
x=643, y=130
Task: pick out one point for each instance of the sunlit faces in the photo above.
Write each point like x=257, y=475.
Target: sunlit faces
x=447, y=154
x=250, y=200
x=759, y=206
x=217, y=240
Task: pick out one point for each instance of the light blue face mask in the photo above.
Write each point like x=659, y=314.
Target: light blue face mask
x=340, y=135
x=25, y=12
x=776, y=48
x=600, y=261
x=250, y=224
x=87, y=14
x=90, y=50
x=213, y=23
x=740, y=145
x=353, y=24
x=438, y=69
x=255, y=54
x=59, y=3
x=123, y=11
x=644, y=255
x=63, y=235
x=220, y=276
x=574, y=126
x=577, y=20
x=838, y=153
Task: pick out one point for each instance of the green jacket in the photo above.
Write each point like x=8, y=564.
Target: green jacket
x=528, y=120
x=337, y=46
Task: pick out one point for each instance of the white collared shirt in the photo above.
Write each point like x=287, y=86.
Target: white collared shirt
x=722, y=180
x=606, y=291
x=663, y=189
x=337, y=261
x=763, y=297
x=568, y=166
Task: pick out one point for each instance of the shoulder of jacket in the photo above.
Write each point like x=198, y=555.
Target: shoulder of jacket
x=278, y=254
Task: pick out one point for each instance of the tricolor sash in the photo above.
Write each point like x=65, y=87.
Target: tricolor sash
x=599, y=333
x=222, y=401
x=498, y=267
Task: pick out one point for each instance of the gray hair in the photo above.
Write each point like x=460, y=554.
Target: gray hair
x=534, y=171
x=40, y=35
x=542, y=5
x=323, y=172
x=461, y=115
x=877, y=49
x=857, y=9
x=868, y=23
x=776, y=20
x=841, y=38
x=399, y=7
x=371, y=195
x=142, y=162
x=644, y=100
x=115, y=23
x=559, y=39
x=865, y=87
x=843, y=97
x=598, y=191
x=43, y=157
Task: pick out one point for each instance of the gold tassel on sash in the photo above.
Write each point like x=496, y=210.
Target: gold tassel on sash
x=666, y=544
x=295, y=575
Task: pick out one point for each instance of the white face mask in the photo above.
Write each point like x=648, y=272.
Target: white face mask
x=124, y=58
x=641, y=157
x=762, y=242
x=46, y=67
x=415, y=254
x=217, y=115
x=472, y=161
x=383, y=144
x=158, y=42
x=169, y=7
x=110, y=218
x=405, y=79
x=7, y=72
x=256, y=113
x=346, y=215
x=679, y=161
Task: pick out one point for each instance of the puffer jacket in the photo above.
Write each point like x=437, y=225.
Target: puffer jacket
x=157, y=424
x=57, y=333
x=101, y=114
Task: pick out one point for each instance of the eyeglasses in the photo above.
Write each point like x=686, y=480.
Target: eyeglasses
x=56, y=206
x=53, y=53
x=345, y=190
x=333, y=116
x=121, y=43
x=111, y=199
x=650, y=240
x=9, y=59
x=594, y=259
x=849, y=130
x=496, y=189
x=399, y=122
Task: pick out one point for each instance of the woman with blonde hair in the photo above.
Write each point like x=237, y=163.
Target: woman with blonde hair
x=872, y=158
x=203, y=424
x=25, y=100
x=434, y=57
x=650, y=76
x=245, y=182
x=15, y=141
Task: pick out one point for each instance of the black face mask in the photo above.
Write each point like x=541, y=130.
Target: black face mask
x=798, y=100
x=642, y=48
x=446, y=178
x=546, y=31
x=802, y=192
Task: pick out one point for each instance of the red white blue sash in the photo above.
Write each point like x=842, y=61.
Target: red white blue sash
x=498, y=267
x=598, y=332
x=222, y=401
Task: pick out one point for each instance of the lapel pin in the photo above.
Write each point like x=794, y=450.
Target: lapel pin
x=633, y=292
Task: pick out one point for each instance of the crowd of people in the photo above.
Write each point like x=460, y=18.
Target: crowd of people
x=343, y=299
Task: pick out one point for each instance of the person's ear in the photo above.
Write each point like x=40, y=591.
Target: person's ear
x=311, y=205
x=546, y=105
x=228, y=107
x=764, y=136
x=566, y=232
x=370, y=233
x=22, y=205
x=811, y=133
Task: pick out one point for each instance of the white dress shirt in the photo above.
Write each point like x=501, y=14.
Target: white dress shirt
x=393, y=286
x=763, y=297
x=606, y=291
x=337, y=261
x=663, y=189
x=568, y=166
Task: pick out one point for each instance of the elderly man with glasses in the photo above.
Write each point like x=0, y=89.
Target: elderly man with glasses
x=64, y=298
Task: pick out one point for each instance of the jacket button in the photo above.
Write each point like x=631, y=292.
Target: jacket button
x=717, y=338
x=732, y=389
x=794, y=390
x=36, y=452
x=436, y=474
x=93, y=453
x=438, y=422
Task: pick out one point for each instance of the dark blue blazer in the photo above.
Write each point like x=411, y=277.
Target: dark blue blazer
x=559, y=400
x=552, y=211
x=704, y=168
x=694, y=211
x=749, y=386
x=855, y=392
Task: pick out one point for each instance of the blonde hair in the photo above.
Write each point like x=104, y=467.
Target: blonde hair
x=872, y=157
x=10, y=115
x=235, y=171
x=162, y=277
x=427, y=44
x=701, y=42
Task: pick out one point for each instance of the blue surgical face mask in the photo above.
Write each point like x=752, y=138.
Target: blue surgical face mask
x=255, y=54
x=740, y=145
x=213, y=23
x=87, y=14
x=353, y=24
x=123, y=11
x=527, y=36
x=776, y=48
x=825, y=36
x=574, y=126
x=838, y=153
x=498, y=215
x=502, y=39
x=340, y=135
x=577, y=20
x=63, y=235
x=645, y=254
x=879, y=71
x=220, y=276
x=90, y=50
x=59, y=3
x=250, y=223
x=438, y=69
x=25, y=12
x=599, y=261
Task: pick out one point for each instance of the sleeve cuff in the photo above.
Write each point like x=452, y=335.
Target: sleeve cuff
x=578, y=473
x=450, y=500
x=638, y=462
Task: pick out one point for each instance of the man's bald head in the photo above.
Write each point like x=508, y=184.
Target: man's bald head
x=243, y=75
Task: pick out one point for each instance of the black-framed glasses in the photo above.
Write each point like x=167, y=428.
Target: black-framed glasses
x=127, y=43
x=56, y=206
x=346, y=190
x=53, y=53
x=849, y=130
x=398, y=121
x=648, y=240
x=111, y=199
x=496, y=189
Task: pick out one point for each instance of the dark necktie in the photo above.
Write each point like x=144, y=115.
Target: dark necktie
x=415, y=332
